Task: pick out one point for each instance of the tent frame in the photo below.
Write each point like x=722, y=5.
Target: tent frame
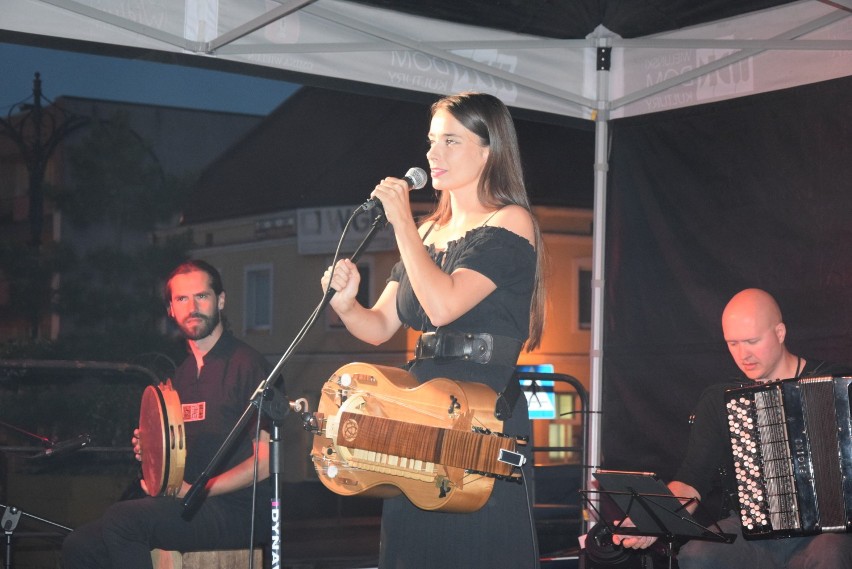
x=597, y=101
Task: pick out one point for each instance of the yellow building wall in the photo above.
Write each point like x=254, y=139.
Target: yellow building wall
x=234, y=246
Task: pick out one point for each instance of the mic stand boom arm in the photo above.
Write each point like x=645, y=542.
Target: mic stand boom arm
x=277, y=411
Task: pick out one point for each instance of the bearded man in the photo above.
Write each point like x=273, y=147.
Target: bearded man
x=214, y=384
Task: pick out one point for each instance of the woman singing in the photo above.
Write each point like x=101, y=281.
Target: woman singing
x=470, y=273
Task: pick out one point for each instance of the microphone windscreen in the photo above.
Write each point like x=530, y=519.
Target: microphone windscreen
x=416, y=177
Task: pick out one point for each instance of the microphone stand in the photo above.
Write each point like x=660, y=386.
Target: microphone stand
x=9, y=521
x=276, y=409
x=11, y=515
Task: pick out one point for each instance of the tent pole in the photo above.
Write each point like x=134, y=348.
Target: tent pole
x=601, y=117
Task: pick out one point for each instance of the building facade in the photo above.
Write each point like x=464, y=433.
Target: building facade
x=271, y=265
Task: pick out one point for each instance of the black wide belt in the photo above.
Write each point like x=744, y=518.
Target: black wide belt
x=480, y=348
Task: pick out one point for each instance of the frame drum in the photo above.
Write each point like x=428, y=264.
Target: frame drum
x=161, y=440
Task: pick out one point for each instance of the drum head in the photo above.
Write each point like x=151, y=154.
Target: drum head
x=153, y=436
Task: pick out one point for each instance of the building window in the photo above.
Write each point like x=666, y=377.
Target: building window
x=258, y=306
x=583, y=293
x=584, y=299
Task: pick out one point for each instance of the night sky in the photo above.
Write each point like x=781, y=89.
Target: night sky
x=110, y=78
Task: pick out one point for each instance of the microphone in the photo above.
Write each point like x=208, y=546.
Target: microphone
x=64, y=447
x=416, y=178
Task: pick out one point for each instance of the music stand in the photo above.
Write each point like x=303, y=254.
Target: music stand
x=652, y=508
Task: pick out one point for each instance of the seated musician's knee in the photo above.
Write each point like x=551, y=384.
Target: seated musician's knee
x=697, y=555
x=83, y=548
x=73, y=547
x=125, y=521
x=824, y=551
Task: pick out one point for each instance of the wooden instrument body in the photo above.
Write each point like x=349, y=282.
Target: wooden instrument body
x=162, y=440
x=382, y=432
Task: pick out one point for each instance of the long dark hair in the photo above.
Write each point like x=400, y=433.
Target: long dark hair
x=502, y=180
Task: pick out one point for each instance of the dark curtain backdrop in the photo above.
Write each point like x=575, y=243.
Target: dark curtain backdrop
x=703, y=202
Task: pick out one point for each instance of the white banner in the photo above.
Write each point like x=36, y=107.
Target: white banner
x=319, y=230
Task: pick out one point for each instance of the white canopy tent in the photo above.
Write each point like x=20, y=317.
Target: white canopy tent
x=598, y=78
x=785, y=46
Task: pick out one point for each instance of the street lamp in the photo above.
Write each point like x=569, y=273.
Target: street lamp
x=37, y=134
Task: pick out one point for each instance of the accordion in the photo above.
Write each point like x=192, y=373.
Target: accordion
x=792, y=452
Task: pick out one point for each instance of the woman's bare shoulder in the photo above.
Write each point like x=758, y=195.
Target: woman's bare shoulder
x=516, y=219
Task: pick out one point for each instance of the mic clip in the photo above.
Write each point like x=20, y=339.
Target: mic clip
x=64, y=447
x=372, y=204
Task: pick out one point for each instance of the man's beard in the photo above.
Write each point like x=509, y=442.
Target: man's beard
x=204, y=329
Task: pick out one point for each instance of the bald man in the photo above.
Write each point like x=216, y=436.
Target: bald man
x=754, y=332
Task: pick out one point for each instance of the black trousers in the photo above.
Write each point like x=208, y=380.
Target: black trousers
x=127, y=532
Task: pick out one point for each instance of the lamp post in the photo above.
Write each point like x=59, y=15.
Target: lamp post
x=37, y=134
x=36, y=131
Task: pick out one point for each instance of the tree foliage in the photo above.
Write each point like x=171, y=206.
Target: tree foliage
x=118, y=182
x=110, y=272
